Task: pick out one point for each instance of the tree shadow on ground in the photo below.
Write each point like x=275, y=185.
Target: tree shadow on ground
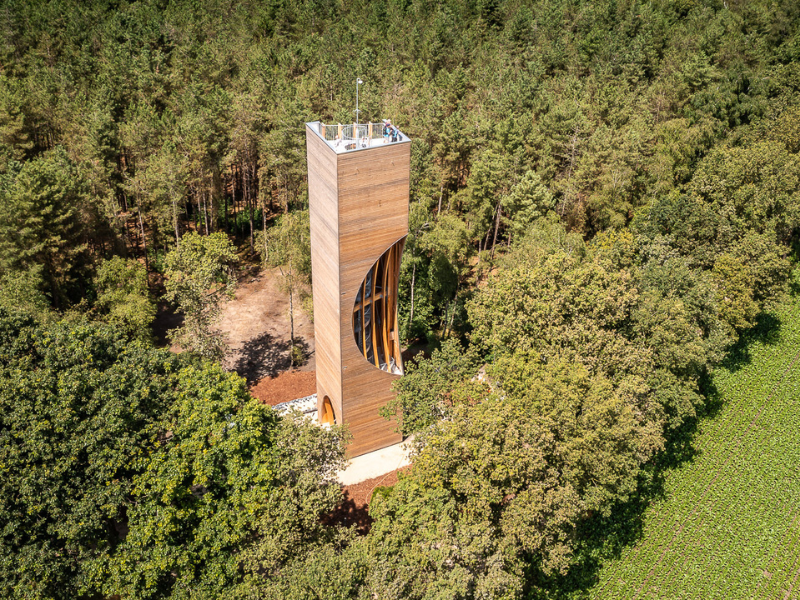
x=603, y=538
x=265, y=356
x=348, y=513
x=166, y=320
x=767, y=330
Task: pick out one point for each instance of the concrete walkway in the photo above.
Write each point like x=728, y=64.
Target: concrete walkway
x=375, y=464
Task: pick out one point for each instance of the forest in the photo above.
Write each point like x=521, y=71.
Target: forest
x=605, y=204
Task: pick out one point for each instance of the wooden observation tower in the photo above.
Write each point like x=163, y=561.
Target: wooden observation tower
x=358, y=186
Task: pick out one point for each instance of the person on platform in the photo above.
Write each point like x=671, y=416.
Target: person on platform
x=387, y=130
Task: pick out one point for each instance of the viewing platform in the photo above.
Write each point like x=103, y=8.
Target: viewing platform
x=356, y=136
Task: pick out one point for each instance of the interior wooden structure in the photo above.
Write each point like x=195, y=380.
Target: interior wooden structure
x=327, y=417
x=375, y=313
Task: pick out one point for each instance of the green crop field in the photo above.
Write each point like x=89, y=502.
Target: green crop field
x=728, y=525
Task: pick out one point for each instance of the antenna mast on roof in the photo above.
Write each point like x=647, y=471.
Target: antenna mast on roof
x=358, y=82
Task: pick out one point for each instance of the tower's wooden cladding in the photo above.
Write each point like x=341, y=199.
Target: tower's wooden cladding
x=358, y=211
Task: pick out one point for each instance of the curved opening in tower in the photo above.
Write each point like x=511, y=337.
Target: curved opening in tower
x=375, y=313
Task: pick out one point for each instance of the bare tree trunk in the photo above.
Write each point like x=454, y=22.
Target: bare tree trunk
x=225, y=194
x=290, y=284
x=413, y=279
x=264, y=219
x=252, y=215
x=197, y=195
x=252, y=226
x=291, y=325
x=144, y=240
x=285, y=195
x=175, y=222
x=175, y=217
x=154, y=233
x=126, y=236
x=452, y=312
x=482, y=245
x=244, y=202
x=498, y=213
x=204, y=195
x=216, y=192
x=233, y=188
x=441, y=193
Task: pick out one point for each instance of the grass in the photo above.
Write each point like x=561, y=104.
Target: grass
x=726, y=520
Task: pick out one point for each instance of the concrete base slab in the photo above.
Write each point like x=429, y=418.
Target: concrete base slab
x=377, y=463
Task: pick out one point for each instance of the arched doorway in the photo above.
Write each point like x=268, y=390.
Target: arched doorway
x=326, y=416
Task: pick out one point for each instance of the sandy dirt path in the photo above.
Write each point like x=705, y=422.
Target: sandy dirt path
x=256, y=326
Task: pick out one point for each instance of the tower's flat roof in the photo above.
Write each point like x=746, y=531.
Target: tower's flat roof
x=351, y=137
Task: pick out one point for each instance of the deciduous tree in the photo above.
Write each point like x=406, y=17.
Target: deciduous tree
x=123, y=296
x=199, y=277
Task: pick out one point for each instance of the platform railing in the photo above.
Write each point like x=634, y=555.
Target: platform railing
x=353, y=136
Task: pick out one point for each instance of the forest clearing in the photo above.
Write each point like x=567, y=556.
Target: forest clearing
x=255, y=325
x=727, y=524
